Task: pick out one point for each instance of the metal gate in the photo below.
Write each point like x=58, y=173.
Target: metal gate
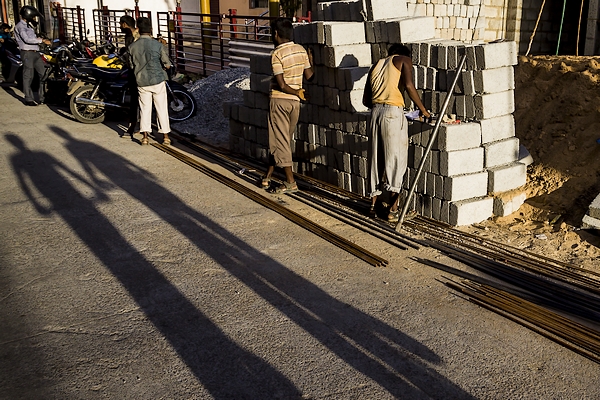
x=200, y=43
x=70, y=23
x=107, y=26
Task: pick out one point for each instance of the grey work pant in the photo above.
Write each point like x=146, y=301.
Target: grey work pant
x=388, y=152
x=32, y=60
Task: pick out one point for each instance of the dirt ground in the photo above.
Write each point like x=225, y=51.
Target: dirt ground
x=558, y=120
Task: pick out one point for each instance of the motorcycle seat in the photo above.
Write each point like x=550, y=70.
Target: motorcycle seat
x=104, y=74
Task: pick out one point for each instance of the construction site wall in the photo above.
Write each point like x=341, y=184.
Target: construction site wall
x=473, y=171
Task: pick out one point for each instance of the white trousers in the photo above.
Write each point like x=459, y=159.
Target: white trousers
x=156, y=94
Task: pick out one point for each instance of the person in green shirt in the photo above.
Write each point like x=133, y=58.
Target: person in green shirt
x=150, y=60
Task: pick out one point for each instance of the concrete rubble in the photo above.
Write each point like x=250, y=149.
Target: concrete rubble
x=592, y=219
x=474, y=168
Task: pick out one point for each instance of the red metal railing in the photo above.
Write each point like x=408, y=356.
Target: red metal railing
x=71, y=23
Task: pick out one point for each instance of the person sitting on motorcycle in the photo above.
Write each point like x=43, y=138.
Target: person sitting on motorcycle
x=131, y=35
x=150, y=60
x=4, y=36
x=29, y=45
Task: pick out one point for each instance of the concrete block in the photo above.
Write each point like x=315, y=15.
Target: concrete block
x=524, y=156
x=430, y=181
x=461, y=187
x=496, y=55
x=260, y=83
x=309, y=33
x=494, y=104
x=595, y=208
x=360, y=166
x=261, y=100
x=261, y=64
x=410, y=30
x=351, y=100
x=435, y=162
x=427, y=206
x=332, y=98
x=383, y=9
x=445, y=212
x=507, y=203
x=354, y=55
x=354, y=78
x=498, y=128
x=461, y=162
x=590, y=222
x=248, y=96
x=436, y=208
x=347, y=10
x=501, y=152
x=344, y=33
x=468, y=83
x=439, y=56
x=431, y=78
x=507, y=177
x=494, y=80
x=458, y=136
x=471, y=211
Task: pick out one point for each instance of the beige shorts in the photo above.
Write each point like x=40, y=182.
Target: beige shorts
x=283, y=117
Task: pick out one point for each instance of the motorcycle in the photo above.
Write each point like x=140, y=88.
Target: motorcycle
x=12, y=66
x=94, y=90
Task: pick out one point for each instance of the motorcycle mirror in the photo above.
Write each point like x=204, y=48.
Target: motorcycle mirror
x=111, y=56
x=56, y=40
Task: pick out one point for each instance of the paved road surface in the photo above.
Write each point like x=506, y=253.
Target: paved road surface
x=125, y=274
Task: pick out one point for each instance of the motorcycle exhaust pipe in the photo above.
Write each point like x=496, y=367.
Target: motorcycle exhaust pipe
x=90, y=102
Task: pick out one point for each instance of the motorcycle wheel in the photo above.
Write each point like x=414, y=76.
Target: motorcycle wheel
x=182, y=105
x=86, y=113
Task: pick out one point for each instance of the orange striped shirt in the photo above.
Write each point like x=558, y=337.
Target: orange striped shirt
x=289, y=59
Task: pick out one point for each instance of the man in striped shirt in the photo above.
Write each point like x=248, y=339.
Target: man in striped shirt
x=291, y=63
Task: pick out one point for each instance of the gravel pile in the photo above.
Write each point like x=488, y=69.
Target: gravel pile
x=209, y=124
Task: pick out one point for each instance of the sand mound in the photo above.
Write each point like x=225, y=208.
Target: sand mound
x=558, y=119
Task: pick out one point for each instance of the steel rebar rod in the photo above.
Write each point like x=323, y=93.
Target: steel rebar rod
x=413, y=186
x=289, y=214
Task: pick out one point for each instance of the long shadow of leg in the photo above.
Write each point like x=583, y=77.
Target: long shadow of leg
x=383, y=353
x=223, y=367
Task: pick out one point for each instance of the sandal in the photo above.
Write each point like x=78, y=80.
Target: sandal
x=166, y=141
x=286, y=188
x=372, y=213
x=145, y=141
x=265, y=182
x=394, y=216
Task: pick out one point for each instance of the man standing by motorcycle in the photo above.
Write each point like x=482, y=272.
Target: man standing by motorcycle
x=131, y=35
x=150, y=60
x=29, y=45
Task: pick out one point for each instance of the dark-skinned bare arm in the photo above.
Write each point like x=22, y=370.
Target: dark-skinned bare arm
x=404, y=64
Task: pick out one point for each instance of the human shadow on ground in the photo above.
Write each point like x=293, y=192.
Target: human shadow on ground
x=223, y=367
x=394, y=360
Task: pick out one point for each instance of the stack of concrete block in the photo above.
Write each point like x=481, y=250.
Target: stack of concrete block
x=472, y=172
x=462, y=20
x=330, y=142
x=360, y=10
x=592, y=219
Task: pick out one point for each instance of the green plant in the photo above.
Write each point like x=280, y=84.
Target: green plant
x=290, y=7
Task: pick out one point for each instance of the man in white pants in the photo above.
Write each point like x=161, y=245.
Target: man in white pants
x=150, y=60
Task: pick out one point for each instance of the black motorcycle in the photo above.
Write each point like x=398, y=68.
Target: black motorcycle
x=12, y=66
x=94, y=90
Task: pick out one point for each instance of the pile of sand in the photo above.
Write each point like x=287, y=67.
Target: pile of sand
x=558, y=119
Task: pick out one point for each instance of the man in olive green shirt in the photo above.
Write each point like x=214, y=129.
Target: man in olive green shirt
x=150, y=60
